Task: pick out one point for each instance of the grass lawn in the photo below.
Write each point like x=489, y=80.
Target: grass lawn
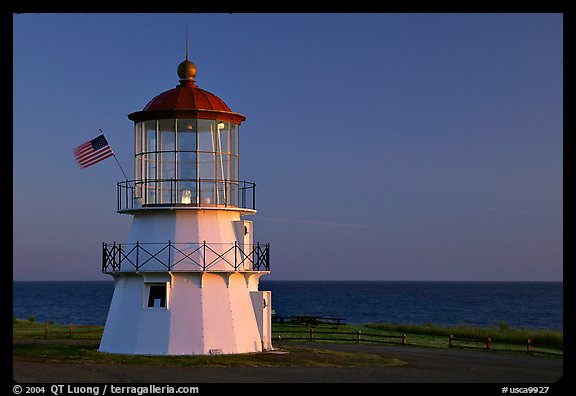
x=52, y=343
x=503, y=337
x=290, y=356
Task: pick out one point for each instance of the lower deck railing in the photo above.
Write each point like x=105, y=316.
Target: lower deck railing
x=172, y=256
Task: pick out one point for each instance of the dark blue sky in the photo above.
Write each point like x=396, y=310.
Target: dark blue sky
x=383, y=146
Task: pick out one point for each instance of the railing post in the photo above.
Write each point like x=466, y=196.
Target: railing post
x=120, y=254
x=103, y=256
x=267, y=257
x=113, y=252
x=204, y=256
x=403, y=339
x=235, y=255
x=358, y=337
x=256, y=261
x=70, y=330
x=137, y=251
x=126, y=197
x=169, y=262
x=131, y=205
x=529, y=345
x=146, y=192
x=489, y=343
x=450, y=341
x=311, y=333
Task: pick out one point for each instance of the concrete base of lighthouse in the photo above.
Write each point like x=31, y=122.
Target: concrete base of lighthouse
x=201, y=313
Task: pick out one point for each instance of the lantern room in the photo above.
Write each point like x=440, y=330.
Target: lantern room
x=186, y=152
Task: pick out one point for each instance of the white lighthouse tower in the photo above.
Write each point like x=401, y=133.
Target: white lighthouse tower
x=186, y=281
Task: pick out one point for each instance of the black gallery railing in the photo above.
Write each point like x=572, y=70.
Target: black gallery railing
x=149, y=193
x=185, y=257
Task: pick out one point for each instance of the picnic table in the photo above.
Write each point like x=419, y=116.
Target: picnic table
x=306, y=319
x=314, y=320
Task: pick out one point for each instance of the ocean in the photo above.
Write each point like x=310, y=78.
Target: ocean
x=484, y=304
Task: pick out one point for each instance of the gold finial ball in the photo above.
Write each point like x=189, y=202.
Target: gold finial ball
x=186, y=71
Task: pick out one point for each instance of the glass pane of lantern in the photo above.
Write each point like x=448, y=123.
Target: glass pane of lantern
x=149, y=173
x=166, y=190
x=138, y=137
x=223, y=129
x=186, y=135
x=233, y=167
x=224, y=167
x=167, y=135
x=167, y=159
x=234, y=138
x=206, y=166
x=167, y=164
x=150, y=138
x=206, y=135
x=138, y=163
x=206, y=174
x=186, y=165
x=149, y=166
x=186, y=162
x=149, y=161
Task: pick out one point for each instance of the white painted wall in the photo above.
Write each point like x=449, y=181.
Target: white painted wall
x=122, y=323
x=206, y=312
x=186, y=321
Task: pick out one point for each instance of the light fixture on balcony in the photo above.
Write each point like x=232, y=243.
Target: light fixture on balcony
x=186, y=197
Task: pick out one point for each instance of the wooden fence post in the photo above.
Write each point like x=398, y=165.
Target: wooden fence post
x=311, y=333
x=489, y=343
x=403, y=339
x=450, y=341
x=358, y=337
x=529, y=345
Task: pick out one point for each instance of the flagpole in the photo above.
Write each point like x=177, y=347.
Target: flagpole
x=118, y=162
x=119, y=166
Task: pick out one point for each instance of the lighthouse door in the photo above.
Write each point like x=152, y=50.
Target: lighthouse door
x=262, y=304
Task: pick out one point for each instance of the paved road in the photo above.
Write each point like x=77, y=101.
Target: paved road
x=423, y=365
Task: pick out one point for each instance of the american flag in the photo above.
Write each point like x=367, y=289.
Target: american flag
x=93, y=151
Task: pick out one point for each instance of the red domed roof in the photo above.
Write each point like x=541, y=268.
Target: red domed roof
x=187, y=96
x=187, y=101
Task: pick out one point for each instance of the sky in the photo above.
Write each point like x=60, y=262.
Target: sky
x=383, y=146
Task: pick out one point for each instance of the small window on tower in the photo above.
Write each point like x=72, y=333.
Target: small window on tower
x=157, y=295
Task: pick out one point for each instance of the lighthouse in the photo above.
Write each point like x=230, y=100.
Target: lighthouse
x=186, y=280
